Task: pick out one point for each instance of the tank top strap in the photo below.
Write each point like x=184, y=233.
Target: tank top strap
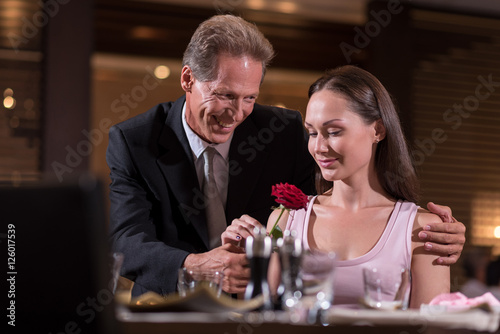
x=298, y=220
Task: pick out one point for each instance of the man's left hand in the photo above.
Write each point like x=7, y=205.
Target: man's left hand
x=447, y=238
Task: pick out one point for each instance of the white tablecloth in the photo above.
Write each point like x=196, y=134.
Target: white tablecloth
x=474, y=319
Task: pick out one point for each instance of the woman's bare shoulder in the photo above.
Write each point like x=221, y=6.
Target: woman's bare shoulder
x=425, y=217
x=274, y=216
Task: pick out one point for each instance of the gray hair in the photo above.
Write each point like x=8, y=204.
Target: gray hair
x=225, y=34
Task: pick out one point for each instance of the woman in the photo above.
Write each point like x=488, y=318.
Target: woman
x=366, y=211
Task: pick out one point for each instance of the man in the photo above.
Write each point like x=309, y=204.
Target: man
x=158, y=210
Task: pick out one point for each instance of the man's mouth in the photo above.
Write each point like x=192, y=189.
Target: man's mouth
x=221, y=123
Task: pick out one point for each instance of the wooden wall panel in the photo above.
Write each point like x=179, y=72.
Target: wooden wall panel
x=20, y=79
x=160, y=30
x=459, y=92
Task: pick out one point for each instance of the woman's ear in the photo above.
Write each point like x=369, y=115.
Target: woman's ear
x=186, y=78
x=379, y=130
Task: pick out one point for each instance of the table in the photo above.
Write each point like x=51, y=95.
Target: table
x=342, y=321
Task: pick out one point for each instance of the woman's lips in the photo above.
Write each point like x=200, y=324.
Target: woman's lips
x=325, y=163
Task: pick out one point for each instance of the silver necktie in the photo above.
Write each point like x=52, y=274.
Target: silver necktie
x=216, y=218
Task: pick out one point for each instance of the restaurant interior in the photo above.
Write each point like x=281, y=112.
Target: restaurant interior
x=69, y=70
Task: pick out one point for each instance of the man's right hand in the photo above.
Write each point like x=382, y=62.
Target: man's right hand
x=228, y=259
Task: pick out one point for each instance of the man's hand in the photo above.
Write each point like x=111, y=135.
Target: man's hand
x=447, y=238
x=228, y=259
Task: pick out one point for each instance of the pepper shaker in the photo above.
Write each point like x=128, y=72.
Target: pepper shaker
x=258, y=251
x=290, y=250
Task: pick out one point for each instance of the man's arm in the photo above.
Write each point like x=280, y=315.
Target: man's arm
x=135, y=219
x=149, y=262
x=447, y=238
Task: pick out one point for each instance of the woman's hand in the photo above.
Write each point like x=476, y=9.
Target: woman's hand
x=240, y=229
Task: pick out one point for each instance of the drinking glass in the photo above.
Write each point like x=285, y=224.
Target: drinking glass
x=116, y=261
x=387, y=287
x=314, y=288
x=190, y=280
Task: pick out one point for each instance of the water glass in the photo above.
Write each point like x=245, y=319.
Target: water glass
x=116, y=261
x=387, y=287
x=190, y=280
x=315, y=291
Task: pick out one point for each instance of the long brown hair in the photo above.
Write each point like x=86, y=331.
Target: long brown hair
x=368, y=98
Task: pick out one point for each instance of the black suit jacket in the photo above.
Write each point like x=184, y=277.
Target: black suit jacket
x=157, y=214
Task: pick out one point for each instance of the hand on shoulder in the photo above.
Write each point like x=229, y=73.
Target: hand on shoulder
x=442, y=234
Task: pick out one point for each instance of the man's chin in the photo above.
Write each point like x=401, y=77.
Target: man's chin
x=219, y=138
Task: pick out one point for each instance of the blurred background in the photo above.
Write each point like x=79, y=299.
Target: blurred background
x=71, y=69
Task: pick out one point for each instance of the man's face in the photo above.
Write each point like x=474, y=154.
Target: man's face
x=215, y=108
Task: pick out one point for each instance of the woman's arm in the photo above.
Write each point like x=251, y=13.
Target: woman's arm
x=428, y=278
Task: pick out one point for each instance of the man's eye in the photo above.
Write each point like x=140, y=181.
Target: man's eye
x=224, y=96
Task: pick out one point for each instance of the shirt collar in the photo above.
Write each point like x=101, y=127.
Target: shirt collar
x=198, y=145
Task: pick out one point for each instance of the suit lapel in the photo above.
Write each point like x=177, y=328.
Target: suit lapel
x=177, y=166
x=246, y=163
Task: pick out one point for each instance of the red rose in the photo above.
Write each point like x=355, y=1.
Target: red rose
x=289, y=196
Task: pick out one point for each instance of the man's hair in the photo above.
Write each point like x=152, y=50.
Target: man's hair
x=227, y=34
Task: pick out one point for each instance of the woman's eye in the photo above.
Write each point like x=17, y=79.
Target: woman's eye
x=333, y=133
x=312, y=134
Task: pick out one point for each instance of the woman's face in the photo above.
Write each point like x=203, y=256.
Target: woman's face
x=342, y=144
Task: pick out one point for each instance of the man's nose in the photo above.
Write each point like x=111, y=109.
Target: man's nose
x=237, y=107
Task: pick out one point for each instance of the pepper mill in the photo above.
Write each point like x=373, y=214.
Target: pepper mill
x=258, y=251
x=290, y=249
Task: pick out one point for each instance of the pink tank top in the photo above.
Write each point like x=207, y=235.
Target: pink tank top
x=394, y=246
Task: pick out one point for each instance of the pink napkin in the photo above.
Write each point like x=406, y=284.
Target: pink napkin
x=458, y=301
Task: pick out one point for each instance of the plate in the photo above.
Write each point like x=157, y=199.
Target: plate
x=202, y=299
